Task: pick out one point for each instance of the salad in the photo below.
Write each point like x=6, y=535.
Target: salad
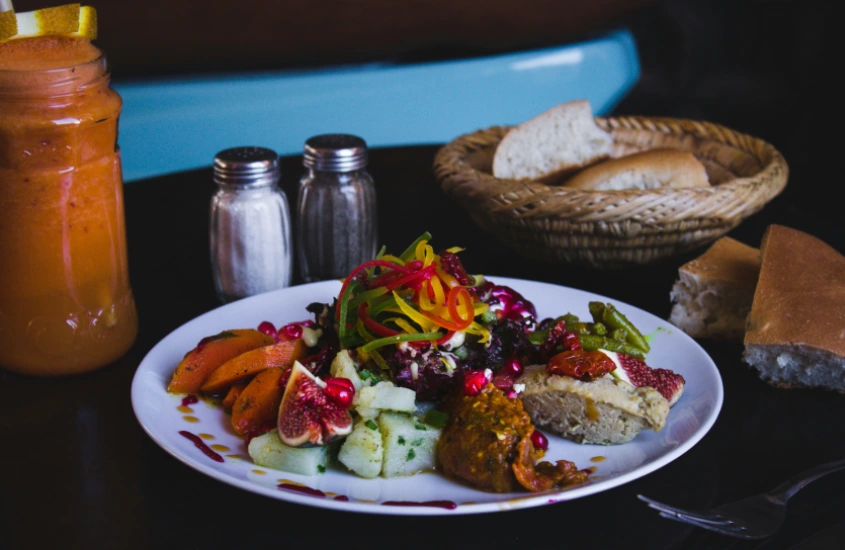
x=417, y=365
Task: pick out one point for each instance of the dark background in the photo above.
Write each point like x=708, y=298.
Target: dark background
x=761, y=67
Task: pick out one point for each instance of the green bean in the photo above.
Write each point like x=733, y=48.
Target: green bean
x=597, y=311
x=620, y=334
x=599, y=328
x=592, y=343
x=570, y=320
x=538, y=336
x=615, y=320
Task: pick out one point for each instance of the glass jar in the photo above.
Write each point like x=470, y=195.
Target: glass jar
x=66, y=306
x=250, y=224
x=336, y=208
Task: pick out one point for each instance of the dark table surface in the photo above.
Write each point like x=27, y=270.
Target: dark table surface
x=79, y=472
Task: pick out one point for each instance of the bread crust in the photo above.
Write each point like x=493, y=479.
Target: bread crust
x=800, y=295
x=652, y=169
x=727, y=260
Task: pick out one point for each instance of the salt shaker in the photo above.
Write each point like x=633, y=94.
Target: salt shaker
x=336, y=208
x=250, y=224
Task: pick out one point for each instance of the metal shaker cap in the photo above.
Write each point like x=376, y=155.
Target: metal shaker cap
x=246, y=167
x=335, y=153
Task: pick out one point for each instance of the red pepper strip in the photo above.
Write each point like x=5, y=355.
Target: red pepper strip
x=456, y=294
x=378, y=328
x=363, y=266
x=424, y=273
x=446, y=338
x=385, y=278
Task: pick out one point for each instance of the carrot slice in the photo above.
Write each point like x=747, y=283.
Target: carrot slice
x=259, y=402
x=211, y=353
x=232, y=396
x=252, y=362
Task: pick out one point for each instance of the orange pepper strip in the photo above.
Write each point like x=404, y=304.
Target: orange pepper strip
x=456, y=296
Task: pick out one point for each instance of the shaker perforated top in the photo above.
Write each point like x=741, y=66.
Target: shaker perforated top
x=246, y=167
x=335, y=153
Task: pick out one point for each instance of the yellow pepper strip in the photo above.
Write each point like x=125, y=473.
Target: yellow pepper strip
x=420, y=251
x=403, y=324
x=425, y=303
x=439, y=294
x=379, y=360
x=455, y=249
x=392, y=258
x=429, y=256
x=480, y=307
x=415, y=315
x=464, y=305
x=363, y=331
x=450, y=281
x=479, y=330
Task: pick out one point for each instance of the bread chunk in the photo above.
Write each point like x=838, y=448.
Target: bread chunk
x=713, y=293
x=552, y=144
x=605, y=411
x=795, y=333
x=652, y=169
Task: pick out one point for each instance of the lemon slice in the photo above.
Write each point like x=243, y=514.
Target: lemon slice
x=49, y=21
x=8, y=25
x=87, y=23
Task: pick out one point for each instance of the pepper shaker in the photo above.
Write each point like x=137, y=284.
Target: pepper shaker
x=336, y=208
x=250, y=224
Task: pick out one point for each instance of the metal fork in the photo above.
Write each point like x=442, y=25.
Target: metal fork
x=755, y=517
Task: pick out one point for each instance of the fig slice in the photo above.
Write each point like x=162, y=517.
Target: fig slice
x=307, y=414
x=638, y=373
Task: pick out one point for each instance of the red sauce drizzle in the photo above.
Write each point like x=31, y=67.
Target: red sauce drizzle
x=301, y=489
x=189, y=399
x=200, y=444
x=343, y=498
x=447, y=504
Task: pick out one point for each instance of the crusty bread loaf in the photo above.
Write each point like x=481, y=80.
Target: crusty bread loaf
x=552, y=144
x=795, y=334
x=713, y=293
x=650, y=169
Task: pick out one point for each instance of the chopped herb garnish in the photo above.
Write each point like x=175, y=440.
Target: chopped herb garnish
x=419, y=425
x=411, y=455
x=321, y=468
x=365, y=375
x=401, y=440
x=371, y=424
x=417, y=442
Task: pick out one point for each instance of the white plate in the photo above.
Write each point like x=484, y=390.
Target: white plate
x=159, y=414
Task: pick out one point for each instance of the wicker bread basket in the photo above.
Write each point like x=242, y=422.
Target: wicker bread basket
x=613, y=229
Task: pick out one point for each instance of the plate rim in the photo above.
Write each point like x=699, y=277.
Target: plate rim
x=527, y=501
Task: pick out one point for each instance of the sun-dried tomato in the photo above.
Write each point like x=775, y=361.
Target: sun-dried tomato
x=580, y=364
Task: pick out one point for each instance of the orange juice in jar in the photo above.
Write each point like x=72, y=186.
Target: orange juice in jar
x=66, y=306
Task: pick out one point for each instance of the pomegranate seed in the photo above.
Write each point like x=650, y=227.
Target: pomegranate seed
x=309, y=324
x=475, y=380
x=503, y=381
x=343, y=382
x=539, y=441
x=512, y=394
x=267, y=328
x=291, y=331
x=513, y=368
x=339, y=393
